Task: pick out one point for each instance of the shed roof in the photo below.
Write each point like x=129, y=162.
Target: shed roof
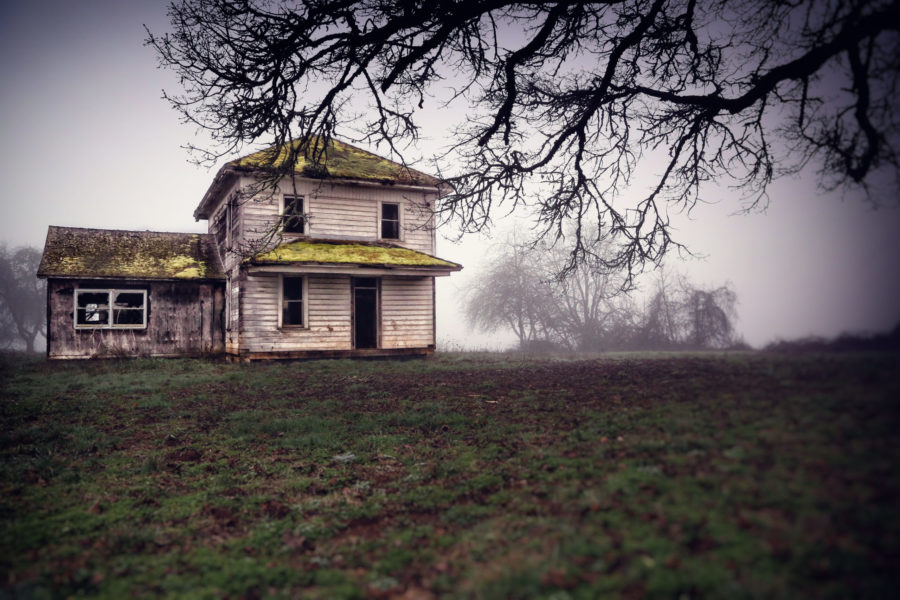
x=335, y=252
x=75, y=252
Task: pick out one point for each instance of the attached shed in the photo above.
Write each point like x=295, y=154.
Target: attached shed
x=132, y=293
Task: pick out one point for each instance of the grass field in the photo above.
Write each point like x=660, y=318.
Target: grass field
x=471, y=476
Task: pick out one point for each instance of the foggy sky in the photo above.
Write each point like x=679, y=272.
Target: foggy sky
x=86, y=141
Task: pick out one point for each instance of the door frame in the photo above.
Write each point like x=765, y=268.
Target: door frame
x=354, y=285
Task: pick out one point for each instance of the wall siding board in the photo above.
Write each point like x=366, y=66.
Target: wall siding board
x=400, y=298
x=406, y=315
x=183, y=318
x=342, y=211
x=328, y=314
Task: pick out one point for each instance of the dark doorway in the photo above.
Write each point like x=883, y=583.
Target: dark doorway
x=365, y=313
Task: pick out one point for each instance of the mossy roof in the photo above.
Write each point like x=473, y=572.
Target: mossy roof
x=76, y=252
x=340, y=160
x=329, y=252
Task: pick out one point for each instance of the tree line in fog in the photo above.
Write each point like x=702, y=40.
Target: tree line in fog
x=549, y=303
x=22, y=305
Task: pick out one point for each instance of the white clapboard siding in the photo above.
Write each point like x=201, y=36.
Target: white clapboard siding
x=259, y=217
x=336, y=216
x=328, y=313
x=342, y=211
x=407, y=313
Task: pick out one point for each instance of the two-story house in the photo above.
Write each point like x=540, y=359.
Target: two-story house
x=335, y=260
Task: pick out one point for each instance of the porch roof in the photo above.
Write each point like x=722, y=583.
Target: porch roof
x=347, y=253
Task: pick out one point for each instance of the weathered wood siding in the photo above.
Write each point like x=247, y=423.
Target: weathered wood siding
x=407, y=315
x=218, y=226
x=183, y=318
x=343, y=212
x=407, y=312
x=328, y=316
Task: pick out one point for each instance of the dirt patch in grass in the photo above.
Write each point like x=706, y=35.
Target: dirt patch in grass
x=488, y=476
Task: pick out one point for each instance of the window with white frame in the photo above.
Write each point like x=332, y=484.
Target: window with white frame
x=292, y=302
x=390, y=221
x=293, y=219
x=110, y=309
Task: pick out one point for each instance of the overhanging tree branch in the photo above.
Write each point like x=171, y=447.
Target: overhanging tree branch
x=566, y=102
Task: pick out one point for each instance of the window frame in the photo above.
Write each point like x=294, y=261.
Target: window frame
x=304, y=303
x=380, y=225
x=287, y=199
x=111, y=294
x=231, y=222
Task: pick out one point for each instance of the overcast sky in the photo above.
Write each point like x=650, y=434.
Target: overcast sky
x=86, y=141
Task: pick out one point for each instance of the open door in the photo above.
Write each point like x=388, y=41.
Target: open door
x=365, y=312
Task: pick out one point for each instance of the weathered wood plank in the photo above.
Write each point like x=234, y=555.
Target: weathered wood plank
x=183, y=318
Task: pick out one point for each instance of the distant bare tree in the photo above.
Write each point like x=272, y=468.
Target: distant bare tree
x=586, y=306
x=22, y=303
x=509, y=294
x=528, y=289
x=709, y=316
x=565, y=98
x=661, y=328
x=681, y=315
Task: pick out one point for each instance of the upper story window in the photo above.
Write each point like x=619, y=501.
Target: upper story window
x=292, y=214
x=110, y=309
x=232, y=219
x=390, y=221
x=231, y=223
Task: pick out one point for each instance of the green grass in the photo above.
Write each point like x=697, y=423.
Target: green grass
x=470, y=476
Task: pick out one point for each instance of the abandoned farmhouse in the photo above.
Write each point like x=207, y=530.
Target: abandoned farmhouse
x=337, y=259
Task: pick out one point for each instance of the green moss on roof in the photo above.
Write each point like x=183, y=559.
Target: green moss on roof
x=327, y=252
x=76, y=252
x=340, y=160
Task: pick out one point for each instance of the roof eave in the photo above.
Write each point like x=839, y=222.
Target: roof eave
x=353, y=269
x=130, y=278
x=439, y=186
x=451, y=267
x=221, y=181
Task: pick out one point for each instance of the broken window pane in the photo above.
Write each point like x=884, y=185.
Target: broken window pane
x=95, y=299
x=111, y=308
x=130, y=300
x=128, y=308
x=92, y=314
x=92, y=308
x=129, y=317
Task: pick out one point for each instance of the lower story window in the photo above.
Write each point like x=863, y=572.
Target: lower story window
x=110, y=309
x=292, y=300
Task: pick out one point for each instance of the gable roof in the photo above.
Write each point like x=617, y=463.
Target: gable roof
x=334, y=252
x=75, y=252
x=341, y=162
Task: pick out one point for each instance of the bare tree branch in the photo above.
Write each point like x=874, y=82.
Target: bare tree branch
x=568, y=102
